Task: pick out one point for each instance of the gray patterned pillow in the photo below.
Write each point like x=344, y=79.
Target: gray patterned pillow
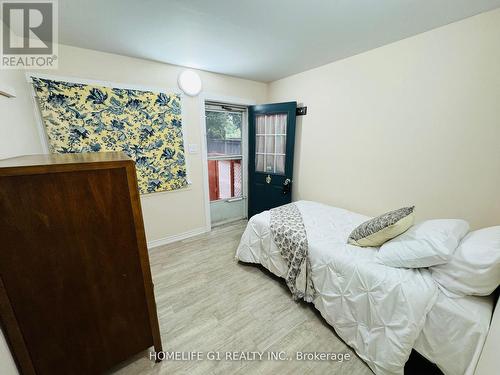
x=382, y=228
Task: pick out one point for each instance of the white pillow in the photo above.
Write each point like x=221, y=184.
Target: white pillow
x=425, y=244
x=475, y=266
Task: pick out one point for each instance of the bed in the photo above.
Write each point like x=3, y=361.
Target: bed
x=381, y=312
x=455, y=331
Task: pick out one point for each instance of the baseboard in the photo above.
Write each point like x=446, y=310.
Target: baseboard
x=177, y=237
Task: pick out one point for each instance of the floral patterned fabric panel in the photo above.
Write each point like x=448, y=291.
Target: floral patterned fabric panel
x=147, y=126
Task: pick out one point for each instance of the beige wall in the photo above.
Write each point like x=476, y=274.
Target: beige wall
x=413, y=122
x=165, y=214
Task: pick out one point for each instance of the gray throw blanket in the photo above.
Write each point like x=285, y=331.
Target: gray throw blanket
x=289, y=235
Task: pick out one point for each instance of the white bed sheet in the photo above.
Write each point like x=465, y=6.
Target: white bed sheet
x=454, y=333
x=378, y=310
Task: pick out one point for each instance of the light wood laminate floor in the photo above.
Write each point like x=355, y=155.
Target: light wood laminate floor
x=207, y=301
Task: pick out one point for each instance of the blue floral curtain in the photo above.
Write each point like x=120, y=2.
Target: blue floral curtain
x=146, y=125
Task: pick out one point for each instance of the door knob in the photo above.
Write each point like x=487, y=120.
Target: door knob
x=268, y=179
x=287, y=186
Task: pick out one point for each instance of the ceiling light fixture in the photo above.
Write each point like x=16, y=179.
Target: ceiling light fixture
x=189, y=82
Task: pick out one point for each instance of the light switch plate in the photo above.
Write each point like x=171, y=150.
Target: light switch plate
x=193, y=148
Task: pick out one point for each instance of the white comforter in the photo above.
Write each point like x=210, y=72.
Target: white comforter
x=377, y=310
x=455, y=331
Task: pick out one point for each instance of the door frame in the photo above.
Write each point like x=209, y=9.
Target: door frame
x=204, y=97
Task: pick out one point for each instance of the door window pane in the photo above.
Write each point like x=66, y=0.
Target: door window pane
x=280, y=144
x=261, y=125
x=270, y=124
x=259, y=162
x=260, y=146
x=223, y=133
x=270, y=163
x=281, y=127
x=270, y=143
x=280, y=164
x=224, y=179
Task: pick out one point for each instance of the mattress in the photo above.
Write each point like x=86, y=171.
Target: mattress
x=377, y=310
x=454, y=333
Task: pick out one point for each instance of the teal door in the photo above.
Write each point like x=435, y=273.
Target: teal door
x=271, y=130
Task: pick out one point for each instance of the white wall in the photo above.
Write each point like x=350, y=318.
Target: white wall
x=413, y=122
x=166, y=213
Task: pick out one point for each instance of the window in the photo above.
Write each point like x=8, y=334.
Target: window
x=224, y=179
x=224, y=149
x=270, y=143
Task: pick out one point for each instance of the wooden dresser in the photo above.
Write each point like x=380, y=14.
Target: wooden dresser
x=76, y=295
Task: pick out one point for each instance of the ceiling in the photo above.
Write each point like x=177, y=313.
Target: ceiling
x=263, y=40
